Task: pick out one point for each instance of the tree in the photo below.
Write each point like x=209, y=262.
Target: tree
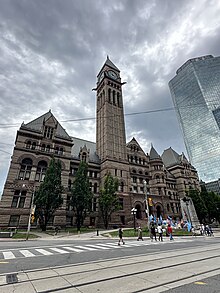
x=108, y=201
x=199, y=204
x=81, y=195
x=49, y=196
x=212, y=202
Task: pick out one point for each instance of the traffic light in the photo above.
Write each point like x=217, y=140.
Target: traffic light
x=32, y=214
x=150, y=201
x=32, y=218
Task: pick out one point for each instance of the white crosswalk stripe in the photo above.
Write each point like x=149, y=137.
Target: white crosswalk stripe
x=59, y=250
x=26, y=253
x=8, y=255
x=73, y=249
x=81, y=248
x=85, y=247
x=98, y=246
x=44, y=252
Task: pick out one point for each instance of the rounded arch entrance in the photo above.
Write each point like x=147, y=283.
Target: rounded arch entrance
x=139, y=211
x=159, y=210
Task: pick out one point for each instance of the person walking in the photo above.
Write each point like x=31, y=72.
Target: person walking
x=153, y=232
x=160, y=232
x=170, y=232
x=120, y=234
x=140, y=237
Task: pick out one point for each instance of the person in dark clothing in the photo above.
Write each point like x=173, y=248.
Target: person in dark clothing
x=120, y=234
x=153, y=232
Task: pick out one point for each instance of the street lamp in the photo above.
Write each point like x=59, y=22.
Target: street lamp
x=146, y=201
x=133, y=212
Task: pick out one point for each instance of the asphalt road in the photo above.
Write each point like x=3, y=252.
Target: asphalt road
x=101, y=256
x=29, y=255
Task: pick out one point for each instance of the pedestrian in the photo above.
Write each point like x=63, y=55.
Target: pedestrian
x=140, y=237
x=160, y=232
x=120, y=234
x=170, y=231
x=153, y=232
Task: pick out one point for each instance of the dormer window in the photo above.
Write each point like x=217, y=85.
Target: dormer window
x=48, y=132
x=84, y=157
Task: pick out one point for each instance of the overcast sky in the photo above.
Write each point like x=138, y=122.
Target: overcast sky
x=52, y=50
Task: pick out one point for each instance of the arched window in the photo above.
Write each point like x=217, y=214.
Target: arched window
x=56, y=150
x=90, y=186
x=25, y=170
x=95, y=187
x=41, y=171
x=113, y=95
x=43, y=147
x=158, y=179
x=118, y=99
x=140, y=161
x=122, y=187
x=28, y=144
x=48, y=148
x=33, y=145
x=109, y=95
x=84, y=157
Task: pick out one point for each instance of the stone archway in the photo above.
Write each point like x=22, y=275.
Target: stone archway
x=138, y=213
x=158, y=211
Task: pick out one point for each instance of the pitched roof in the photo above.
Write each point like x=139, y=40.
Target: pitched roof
x=81, y=143
x=37, y=125
x=109, y=63
x=153, y=154
x=170, y=157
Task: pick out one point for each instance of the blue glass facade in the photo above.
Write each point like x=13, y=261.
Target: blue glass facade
x=195, y=91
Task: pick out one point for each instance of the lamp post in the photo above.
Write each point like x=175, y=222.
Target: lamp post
x=146, y=201
x=32, y=210
x=133, y=212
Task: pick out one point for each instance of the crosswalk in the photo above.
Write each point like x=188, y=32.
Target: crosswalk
x=47, y=251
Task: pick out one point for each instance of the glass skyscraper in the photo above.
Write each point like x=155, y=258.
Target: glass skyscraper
x=195, y=92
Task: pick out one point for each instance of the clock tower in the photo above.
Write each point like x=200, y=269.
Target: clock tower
x=110, y=125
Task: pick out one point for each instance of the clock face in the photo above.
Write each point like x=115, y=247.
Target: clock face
x=112, y=74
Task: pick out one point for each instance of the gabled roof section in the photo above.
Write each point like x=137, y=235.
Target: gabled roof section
x=153, y=154
x=170, y=157
x=132, y=142
x=38, y=123
x=110, y=64
x=89, y=145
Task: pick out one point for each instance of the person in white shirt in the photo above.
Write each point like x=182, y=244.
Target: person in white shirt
x=160, y=232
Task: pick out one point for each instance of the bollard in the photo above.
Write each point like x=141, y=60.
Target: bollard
x=97, y=233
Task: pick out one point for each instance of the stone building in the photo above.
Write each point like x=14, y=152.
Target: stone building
x=163, y=178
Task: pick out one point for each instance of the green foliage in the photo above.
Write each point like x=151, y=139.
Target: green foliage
x=199, y=204
x=212, y=202
x=81, y=195
x=207, y=205
x=108, y=201
x=49, y=196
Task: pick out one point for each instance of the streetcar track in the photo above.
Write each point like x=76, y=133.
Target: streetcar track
x=123, y=275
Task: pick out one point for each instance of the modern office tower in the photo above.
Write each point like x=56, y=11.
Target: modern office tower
x=196, y=95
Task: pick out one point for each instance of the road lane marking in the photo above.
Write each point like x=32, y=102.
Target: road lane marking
x=8, y=255
x=61, y=251
x=111, y=245
x=44, y=252
x=73, y=249
x=98, y=246
x=87, y=248
x=26, y=253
